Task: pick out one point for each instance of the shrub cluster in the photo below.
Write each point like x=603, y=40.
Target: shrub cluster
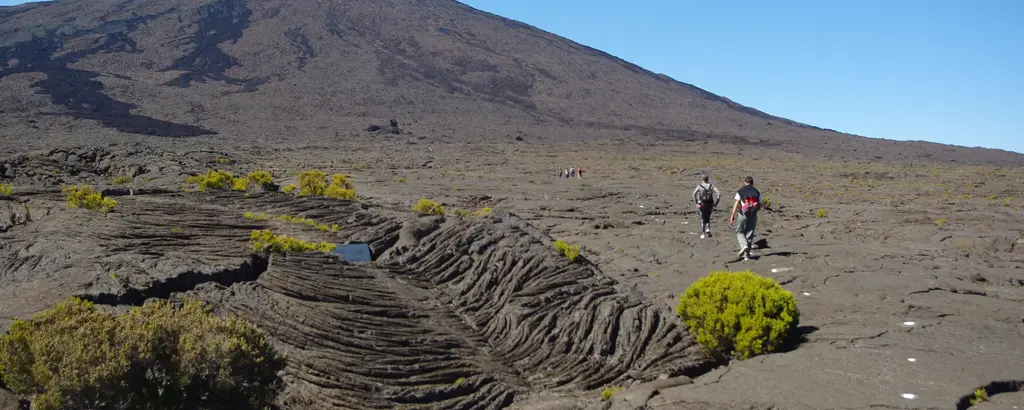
x=123, y=180
x=74, y=356
x=428, y=207
x=314, y=183
x=223, y=180
x=570, y=251
x=266, y=242
x=738, y=314
x=86, y=197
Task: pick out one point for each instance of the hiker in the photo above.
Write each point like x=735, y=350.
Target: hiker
x=706, y=196
x=572, y=172
x=579, y=173
x=748, y=202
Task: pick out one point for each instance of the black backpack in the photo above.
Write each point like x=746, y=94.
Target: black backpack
x=708, y=194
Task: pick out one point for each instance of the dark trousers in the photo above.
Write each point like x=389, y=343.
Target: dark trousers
x=705, y=216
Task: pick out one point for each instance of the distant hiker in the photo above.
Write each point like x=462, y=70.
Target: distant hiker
x=567, y=172
x=572, y=172
x=579, y=173
x=748, y=202
x=706, y=196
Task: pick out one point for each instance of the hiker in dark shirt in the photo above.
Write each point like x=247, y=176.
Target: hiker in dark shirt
x=706, y=196
x=748, y=202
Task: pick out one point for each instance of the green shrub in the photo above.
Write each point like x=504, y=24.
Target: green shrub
x=255, y=216
x=941, y=222
x=224, y=160
x=123, y=180
x=266, y=242
x=738, y=314
x=74, y=356
x=401, y=180
x=980, y=395
x=314, y=183
x=461, y=213
x=212, y=180
x=570, y=251
x=608, y=392
x=6, y=190
x=483, y=212
x=260, y=180
x=822, y=213
x=86, y=197
x=289, y=188
x=428, y=207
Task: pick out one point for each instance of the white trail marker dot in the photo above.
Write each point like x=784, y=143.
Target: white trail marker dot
x=911, y=359
x=908, y=323
x=909, y=396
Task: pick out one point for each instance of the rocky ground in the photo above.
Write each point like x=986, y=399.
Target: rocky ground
x=909, y=277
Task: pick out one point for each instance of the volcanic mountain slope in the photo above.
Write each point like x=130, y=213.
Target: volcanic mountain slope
x=281, y=71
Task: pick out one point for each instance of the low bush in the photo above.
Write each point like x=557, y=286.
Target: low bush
x=289, y=188
x=483, y=212
x=123, y=180
x=260, y=180
x=941, y=222
x=266, y=242
x=86, y=197
x=980, y=395
x=461, y=213
x=255, y=216
x=570, y=251
x=212, y=180
x=6, y=190
x=157, y=356
x=428, y=207
x=822, y=213
x=314, y=183
x=738, y=314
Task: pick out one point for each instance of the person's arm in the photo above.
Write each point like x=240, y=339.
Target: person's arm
x=732, y=216
x=694, y=195
x=718, y=195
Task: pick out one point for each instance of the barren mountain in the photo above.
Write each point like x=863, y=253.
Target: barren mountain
x=303, y=70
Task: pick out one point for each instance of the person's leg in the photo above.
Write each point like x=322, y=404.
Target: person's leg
x=741, y=236
x=705, y=218
x=751, y=226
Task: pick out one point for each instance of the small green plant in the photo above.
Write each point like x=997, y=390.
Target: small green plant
x=461, y=213
x=289, y=188
x=314, y=183
x=992, y=197
x=767, y=203
x=460, y=381
x=86, y=197
x=941, y=222
x=570, y=251
x=6, y=190
x=428, y=207
x=980, y=395
x=485, y=211
x=822, y=213
x=401, y=180
x=608, y=392
x=123, y=180
x=224, y=160
x=212, y=180
x=738, y=314
x=74, y=355
x=240, y=184
x=255, y=216
x=266, y=241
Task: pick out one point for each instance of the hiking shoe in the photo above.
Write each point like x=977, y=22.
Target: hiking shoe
x=745, y=252
x=709, y=234
x=702, y=236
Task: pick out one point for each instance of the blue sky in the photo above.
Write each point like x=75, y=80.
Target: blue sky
x=935, y=70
